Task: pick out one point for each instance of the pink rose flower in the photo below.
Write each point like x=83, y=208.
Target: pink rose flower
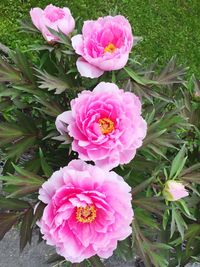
x=53, y=17
x=88, y=210
x=104, y=45
x=174, y=191
x=106, y=125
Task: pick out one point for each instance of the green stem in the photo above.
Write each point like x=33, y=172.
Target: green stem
x=96, y=262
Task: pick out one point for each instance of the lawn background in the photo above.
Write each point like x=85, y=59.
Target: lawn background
x=169, y=27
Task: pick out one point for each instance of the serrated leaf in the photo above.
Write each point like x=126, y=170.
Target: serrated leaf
x=171, y=73
x=50, y=82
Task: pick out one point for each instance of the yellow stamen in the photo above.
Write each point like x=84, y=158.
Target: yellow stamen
x=106, y=125
x=110, y=48
x=86, y=214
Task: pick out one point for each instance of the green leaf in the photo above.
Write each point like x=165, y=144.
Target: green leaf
x=177, y=162
x=39, y=47
x=45, y=166
x=27, y=26
x=8, y=73
x=7, y=220
x=191, y=174
x=38, y=212
x=24, y=190
x=8, y=130
x=13, y=204
x=158, y=260
x=124, y=249
x=184, y=206
x=192, y=232
x=165, y=219
x=25, y=66
x=63, y=38
x=137, y=78
x=152, y=136
x=54, y=258
x=26, y=229
x=171, y=73
x=180, y=223
x=30, y=89
x=162, y=246
x=145, y=218
x=26, y=123
x=95, y=261
x=8, y=92
x=151, y=204
x=190, y=169
x=17, y=149
x=142, y=186
x=27, y=182
x=50, y=107
x=50, y=82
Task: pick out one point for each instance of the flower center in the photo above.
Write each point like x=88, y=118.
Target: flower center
x=106, y=125
x=86, y=214
x=110, y=48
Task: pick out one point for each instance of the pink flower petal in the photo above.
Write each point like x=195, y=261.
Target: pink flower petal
x=36, y=14
x=62, y=224
x=88, y=70
x=77, y=43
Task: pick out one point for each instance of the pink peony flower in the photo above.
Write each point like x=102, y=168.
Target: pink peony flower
x=53, y=17
x=88, y=210
x=106, y=125
x=104, y=45
x=174, y=191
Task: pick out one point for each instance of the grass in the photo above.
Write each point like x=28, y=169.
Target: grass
x=169, y=27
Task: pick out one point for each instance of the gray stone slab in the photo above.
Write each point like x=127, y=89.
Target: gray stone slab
x=36, y=254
